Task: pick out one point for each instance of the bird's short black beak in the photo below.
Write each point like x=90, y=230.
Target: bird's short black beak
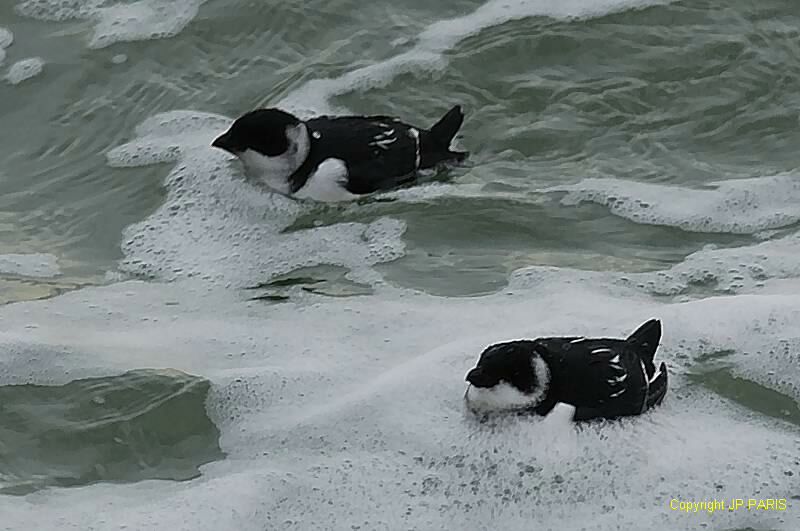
x=223, y=142
x=477, y=378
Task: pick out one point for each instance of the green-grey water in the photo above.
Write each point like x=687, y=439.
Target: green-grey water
x=629, y=160
x=126, y=428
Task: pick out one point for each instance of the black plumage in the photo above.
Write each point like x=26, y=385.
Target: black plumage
x=362, y=154
x=600, y=377
x=379, y=152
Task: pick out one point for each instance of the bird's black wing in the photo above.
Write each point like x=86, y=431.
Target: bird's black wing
x=599, y=374
x=380, y=152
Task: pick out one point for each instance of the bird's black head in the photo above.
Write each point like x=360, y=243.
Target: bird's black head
x=511, y=363
x=265, y=131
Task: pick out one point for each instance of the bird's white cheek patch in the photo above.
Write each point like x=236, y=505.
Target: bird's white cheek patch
x=498, y=398
x=271, y=171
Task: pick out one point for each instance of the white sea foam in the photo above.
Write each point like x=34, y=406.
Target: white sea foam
x=349, y=412
x=24, y=69
x=428, y=192
x=118, y=21
x=712, y=270
x=741, y=206
x=729, y=270
x=428, y=53
x=217, y=226
x=6, y=39
x=29, y=265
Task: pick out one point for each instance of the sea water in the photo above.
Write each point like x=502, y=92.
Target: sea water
x=183, y=349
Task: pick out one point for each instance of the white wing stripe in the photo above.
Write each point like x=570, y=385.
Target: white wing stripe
x=618, y=379
x=656, y=375
x=646, y=385
x=414, y=133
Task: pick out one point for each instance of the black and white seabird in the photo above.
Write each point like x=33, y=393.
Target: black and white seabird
x=601, y=378
x=337, y=158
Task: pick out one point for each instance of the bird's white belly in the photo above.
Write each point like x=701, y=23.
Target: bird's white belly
x=327, y=183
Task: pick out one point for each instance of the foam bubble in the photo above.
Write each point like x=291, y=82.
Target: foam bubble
x=729, y=270
x=429, y=192
x=119, y=21
x=431, y=45
x=30, y=265
x=143, y=20
x=217, y=226
x=742, y=206
x=711, y=270
x=6, y=38
x=24, y=70
x=166, y=137
x=58, y=10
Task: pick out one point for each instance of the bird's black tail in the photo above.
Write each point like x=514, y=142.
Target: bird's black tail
x=645, y=342
x=658, y=388
x=435, y=143
x=446, y=128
